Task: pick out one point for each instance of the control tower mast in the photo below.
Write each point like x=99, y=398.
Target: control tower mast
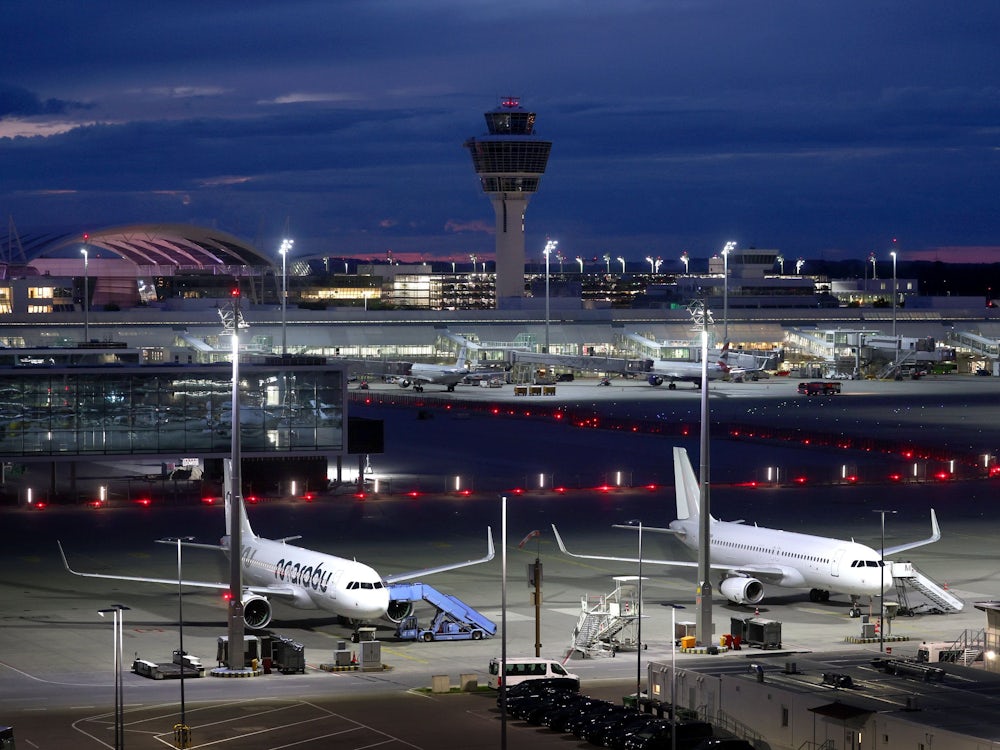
x=510, y=161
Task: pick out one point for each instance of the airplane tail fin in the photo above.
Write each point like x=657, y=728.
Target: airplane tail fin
x=230, y=493
x=685, y=486
x=462, y=360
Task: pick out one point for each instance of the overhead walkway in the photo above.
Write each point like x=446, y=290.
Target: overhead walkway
x=449, y=608
x=974, y=343
x=907, y=577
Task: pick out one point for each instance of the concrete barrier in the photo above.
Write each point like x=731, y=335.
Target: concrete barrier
x=440, y=683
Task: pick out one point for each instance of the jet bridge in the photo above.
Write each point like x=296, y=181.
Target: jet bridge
x=582, y=362
x=454, y=620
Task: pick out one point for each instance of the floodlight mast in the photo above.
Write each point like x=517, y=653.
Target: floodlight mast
x=286, y=247
x=236, y=629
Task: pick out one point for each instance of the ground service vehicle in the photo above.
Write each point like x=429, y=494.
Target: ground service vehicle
x=517, y=670
x=935, y=651
x=442, y=628
x=819, y=388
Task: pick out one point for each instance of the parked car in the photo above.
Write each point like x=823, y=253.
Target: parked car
x=724, y=743
x=689, y=735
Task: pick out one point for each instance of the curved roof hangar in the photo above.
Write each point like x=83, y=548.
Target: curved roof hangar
x=154, y=244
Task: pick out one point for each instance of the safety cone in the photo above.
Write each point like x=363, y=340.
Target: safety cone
x=756, y=611
x=354, y=657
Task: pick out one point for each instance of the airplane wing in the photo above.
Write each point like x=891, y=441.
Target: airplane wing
x=766, y=573
x=490, y=552
x=276, y=591
x=935, y=535
x=565, y=551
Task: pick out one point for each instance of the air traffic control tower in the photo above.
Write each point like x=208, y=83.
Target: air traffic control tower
x=510, y=161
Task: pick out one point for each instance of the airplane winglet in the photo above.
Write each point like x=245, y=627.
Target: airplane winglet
x=65, y=561
x=410, y=575
x=935, y=536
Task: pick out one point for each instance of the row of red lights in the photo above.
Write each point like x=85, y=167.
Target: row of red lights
x=309, y=497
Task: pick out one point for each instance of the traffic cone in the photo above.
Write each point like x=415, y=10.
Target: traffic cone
x=354, y=657
x=756, y=611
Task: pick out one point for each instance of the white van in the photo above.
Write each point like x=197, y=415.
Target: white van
x=524, y=668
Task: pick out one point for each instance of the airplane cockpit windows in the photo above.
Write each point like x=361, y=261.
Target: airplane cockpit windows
x=355, y=585
x=868, y=564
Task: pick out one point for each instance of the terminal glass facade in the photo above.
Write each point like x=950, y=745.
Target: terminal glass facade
x=169, y=410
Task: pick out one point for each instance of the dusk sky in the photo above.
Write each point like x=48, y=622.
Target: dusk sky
x=821, y=129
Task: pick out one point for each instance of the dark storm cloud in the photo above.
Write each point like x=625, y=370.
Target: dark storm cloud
x=677, y=124
x=19, y=102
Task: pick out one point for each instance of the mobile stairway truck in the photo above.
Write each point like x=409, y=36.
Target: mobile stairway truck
x=453, y=621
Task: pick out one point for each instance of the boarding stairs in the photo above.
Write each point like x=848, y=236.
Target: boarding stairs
x=908, y=357
x=608, y=622
x=969, y=647
x=449, y=608
x=905, y=576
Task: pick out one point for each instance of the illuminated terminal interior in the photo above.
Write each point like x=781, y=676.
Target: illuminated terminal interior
x=64, y=413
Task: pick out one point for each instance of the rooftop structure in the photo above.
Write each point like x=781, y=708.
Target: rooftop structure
x=510, y=161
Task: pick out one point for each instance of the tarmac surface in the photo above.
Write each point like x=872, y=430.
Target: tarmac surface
x=56, y=668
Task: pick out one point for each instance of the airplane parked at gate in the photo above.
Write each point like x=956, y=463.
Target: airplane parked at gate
x=687, y=371
x=302, y=578
x=447, y=375
x=683, y=371
x=748, y=556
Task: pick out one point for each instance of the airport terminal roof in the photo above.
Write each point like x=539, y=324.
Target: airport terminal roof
x=142, y=244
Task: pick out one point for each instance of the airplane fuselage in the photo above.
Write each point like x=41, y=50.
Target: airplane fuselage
x=796, y=560
x=316, y=580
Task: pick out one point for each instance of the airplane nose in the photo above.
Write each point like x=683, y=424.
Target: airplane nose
x=373, y=604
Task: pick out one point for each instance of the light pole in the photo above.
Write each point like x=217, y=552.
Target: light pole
x=118, y=614
x=182, y=732
x=638, y=615
x=871, y=257
x=580, y=261
x=730, y=246
x=86, y=295
x=781, y=264
x=286, y=246
x=649, y=259
x=622, y=261
x=550, y=247
x=607, y=261
x=656, y=266
x=685, y=259
x=893, y=254
x=881, y=578
x=798, y=266
x=673, y=673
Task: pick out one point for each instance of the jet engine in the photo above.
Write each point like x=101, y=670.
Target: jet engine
x=741, y=590
x=256, y=611
x=398, y=610
x=404, y=383
x=654, y=380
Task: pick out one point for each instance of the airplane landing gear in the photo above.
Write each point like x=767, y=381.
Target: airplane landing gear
x=855, y=608
x=672, y=386
x=418, y=388
x=819, y=595
x=451, y=388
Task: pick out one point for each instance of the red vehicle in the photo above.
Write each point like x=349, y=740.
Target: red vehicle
x=819, y=388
